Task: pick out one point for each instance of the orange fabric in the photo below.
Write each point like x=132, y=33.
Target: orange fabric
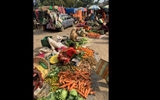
x=86, y=27
x=104, y=15
x=78, y=14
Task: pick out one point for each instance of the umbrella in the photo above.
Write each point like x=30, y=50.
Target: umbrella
x=107, y=6
x=83, y=9
x=94, y=7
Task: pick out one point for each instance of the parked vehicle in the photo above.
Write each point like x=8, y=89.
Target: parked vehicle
x=67, y=20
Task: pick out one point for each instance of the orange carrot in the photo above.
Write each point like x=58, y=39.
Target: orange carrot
x=65, y=85
x=79, y=85
x=84, y=76
x=72, y=86
x=60, y=79
x=85, y=92
x=57, y=84
x=80, y=93
x=93, y=92
x=88, y=92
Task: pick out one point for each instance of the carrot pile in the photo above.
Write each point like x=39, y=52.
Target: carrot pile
x=88, y=52
x=78, y=80
x=93, y=35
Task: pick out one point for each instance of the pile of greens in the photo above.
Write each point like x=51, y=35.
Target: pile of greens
x=62, y=94
x=54, y=71
x=77, y=43
x=52, y=78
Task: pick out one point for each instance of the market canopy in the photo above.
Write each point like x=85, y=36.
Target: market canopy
x=107, y=6
x=71, y=10
x=83, y=9
x=94, y=7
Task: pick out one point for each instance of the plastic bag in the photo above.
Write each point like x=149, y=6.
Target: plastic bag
x=55, y=44
x=59, y=38
x=45, y=50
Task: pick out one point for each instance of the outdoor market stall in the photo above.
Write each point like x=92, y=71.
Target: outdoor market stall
x=66, y=69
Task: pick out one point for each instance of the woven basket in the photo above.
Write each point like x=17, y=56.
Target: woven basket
x=37, y=60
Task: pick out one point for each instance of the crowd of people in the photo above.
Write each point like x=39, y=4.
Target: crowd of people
x=97, y=19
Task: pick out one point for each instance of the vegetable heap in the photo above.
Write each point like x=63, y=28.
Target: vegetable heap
x=78, y=80
x=62, y=94
x=52, y=78
x=87, y=52
x=87, y=64
x=78, y=43
x=93, y=35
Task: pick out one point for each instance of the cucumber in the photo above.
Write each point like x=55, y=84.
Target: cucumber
x=43, y=65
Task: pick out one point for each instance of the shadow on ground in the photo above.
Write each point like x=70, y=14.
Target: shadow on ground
x=105, y=38
x=100, y=94
x=101, y=42
x=39, y=31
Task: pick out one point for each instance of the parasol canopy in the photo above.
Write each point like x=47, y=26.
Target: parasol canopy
x=94, y=7
x=107, y=6
x=83, y=9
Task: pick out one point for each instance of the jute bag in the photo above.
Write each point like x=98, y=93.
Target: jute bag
x=102, y=69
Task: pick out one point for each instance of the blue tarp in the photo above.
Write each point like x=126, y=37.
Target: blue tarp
x=69, y=10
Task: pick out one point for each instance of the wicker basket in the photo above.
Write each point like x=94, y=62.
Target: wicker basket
x=37, y=60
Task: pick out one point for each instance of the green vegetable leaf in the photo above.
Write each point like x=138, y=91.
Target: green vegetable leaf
x=64, y=94
x=70, y=97
x=73, y=92
x=80, y=98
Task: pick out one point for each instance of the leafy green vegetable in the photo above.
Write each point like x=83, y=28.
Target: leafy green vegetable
x=53, y=66
x=58, y=91
x=57, y=70
x=80, y=98
x=70, y=97
x=53, y=96
x=73, y=92
x=54, y=72
x=64, y=94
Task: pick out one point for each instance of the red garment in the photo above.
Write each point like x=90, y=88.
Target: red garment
x=60, y=9
x=61, y=57
x=66, y=54
x=36, y=11
x=104, y=16
x=41, y=55
x=62, y=48
x=71, y=51
x=64, y=11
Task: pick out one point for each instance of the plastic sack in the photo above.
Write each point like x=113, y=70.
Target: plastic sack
x=55, y=44
x=54, y=59
x=44, y=41
x=59, y=38
x=45, y=50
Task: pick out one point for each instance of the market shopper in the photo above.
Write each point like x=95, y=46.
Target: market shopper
x=104, y=27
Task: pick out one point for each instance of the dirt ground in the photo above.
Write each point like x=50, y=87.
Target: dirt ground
x=101, y=46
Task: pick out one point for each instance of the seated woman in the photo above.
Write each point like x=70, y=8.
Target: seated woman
x=104, y=27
